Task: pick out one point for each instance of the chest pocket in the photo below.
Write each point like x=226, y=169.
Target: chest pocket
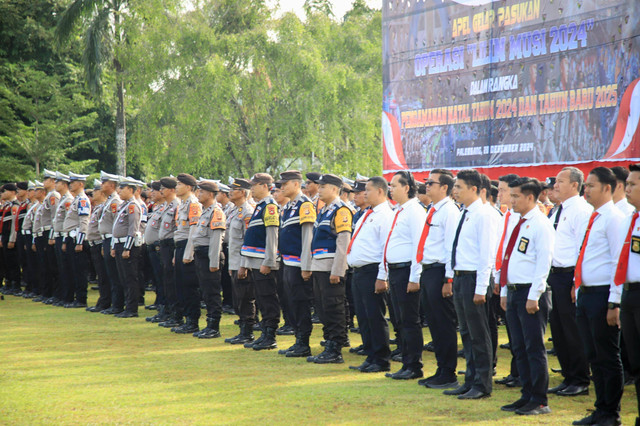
x=203, y=227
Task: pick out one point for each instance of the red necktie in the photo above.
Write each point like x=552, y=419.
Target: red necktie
x=578, y=273
x=623, y=261
x=393, y=225
x=425, y=234
x=364, y=219
x=507, y=256
x=501, y=245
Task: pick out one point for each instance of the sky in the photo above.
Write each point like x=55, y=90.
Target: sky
x=340, y=7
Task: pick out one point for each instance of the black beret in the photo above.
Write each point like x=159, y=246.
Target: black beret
x=360, y=186
x=23, y=185
x=278, y=184
x=290, y=175
x=331, y=180
x=314, y=176
x=265, y=178
x=208, y=185
x=155, y=185
x=9, y=187
x=239, y=183
x=169, y=182
x=187, y=179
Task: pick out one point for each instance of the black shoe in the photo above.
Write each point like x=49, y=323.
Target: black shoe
x=442, y=382
x=516, y=383
x=556, y=370
x=171, y=323
x=189, y=327
x=75, y=304
x=249, y=345
x=591, y=419
x=397, y=358
x=245, y=336
x=610, y=421
x=393, y=341
x=301, y=350
x=356, y=349
x=460, y=390
x=375, y=368
x=533, y=409
x=406, y=375
x=460, y=354
x=474, y=394
x=556, y=389
x=153, y=307
x=289, y=349
x=505, y=346
x=331, y=355
x=285, y=330
x=574, y=390
x=207, y=333
x=354, y=330
x=514, y=405
x=360, y=367
x=315, y=319
x=552, y=351
x=269, y=341
x=112, y=311
x=127, y=314
x=504, y=380
x=226, y=309
x=429, y=347
x=94, y=309
x=424, y=381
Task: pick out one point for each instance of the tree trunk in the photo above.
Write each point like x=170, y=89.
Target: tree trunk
x=121, y=128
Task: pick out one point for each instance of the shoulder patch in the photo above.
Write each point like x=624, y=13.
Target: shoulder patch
x=343, y=220
x=114, y=208
x=218, y=220
x=195, y=211
x=84, y=207
x=271, y=215
x=307, y=212
x=52, y=200
x=67, y=205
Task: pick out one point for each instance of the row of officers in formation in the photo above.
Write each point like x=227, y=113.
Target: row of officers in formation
x=457, y=248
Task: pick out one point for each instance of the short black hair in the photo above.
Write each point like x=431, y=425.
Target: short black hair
x=605, y=176
x=471, y=177
x=634, y=168
x=406, y=179
x=446, y=178
x=621, y=173
x=422, y=189
x=486, y=183
x=508, y=178
x=494, y=193
x=528, y=186
x=379, y=182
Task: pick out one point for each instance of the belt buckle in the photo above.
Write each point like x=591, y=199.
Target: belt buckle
x=626, y=286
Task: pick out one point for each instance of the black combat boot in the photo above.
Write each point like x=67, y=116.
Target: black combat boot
x=211, y=331
x=302, y=349
x=189, y=327
x=269, y=341
x=332, y=354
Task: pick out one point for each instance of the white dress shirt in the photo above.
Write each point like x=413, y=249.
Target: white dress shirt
x=530, y=259
x=369, y=243
x=572, y=225
x=624, y=206
x=602, y=250
x=476, y=235
x=513, y=221
x=438, y=245
x=405, y=236
x=633, y=270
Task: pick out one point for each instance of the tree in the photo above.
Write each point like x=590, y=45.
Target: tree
x=104, y=40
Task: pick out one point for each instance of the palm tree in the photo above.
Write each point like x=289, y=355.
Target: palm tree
x=104, y=34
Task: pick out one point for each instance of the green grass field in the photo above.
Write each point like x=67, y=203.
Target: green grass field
x=66, y=366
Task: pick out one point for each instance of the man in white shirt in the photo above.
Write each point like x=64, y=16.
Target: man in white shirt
x=404, y=271
x=628, y=277
x=598, y=307
x=364, y=255
x=471, y=263
x=436, y=280
x=619, y=197
x=570, y=222
x=523, y=282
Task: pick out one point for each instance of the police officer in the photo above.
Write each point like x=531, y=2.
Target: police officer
x=105, y=226
x=31, y=270
x=167, y=251
x=260, y=255
x=331, y=235
x=140, y=242
x=126, y=227
x=39, y=246
x=312, y=186
x=9, y=251
x=16, y=239
x=244, y=297
x=296, y=233
x=152, y=239
x=65, y=289
x=186, y=278
x=205, y=247
x=44, y=218
x=74, y=246
x=227, y=290
x=94, y=240
x=287, y=328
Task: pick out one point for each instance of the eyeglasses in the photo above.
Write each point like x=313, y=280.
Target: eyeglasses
x=431, y=182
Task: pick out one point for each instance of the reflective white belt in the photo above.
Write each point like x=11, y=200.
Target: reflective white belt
x=120, y=240
x=105, y=236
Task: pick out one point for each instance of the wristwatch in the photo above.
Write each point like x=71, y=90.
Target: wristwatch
x=613, y=305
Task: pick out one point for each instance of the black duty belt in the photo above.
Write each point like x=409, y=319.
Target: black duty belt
x=461, y=273
x=399, y=265
x=631, y=286
x=432, y=265
x=518, y=287
x=167, y=242
x=594, y=289
x=558, y=270
x=367, y=267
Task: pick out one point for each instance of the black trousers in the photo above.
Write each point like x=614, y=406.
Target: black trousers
x=283, y=297
x=104, y=289
x=370, y=309
x=144, y=271
x=493, y=308
x=267, y=297
x=11, y=260
x=630, y=320
x=78, y=263
x=527, y=343
x=299, y=293
x=244, y=298
x=350, y=307
x=128, y=272
x=47, y=273
x=474, y=330
x=167, y=251
x=329, y=305
x=113, y=278
x=210, y=283
x=601, y=344
x=187, y=286
x=441, y=317
x=31, y=271
x=408, y=311
x=65, y=285
x=227, y=288
x=155, y=260
x=22, y=259
x=564, y=330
